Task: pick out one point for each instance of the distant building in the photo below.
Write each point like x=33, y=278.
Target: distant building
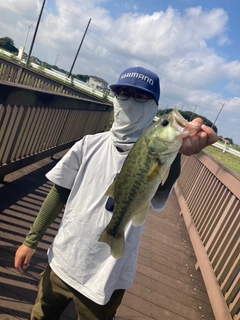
x=225, y=140
x=36, y=60
x=97, y=83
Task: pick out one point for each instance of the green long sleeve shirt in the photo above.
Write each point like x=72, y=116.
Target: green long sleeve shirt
x=49, y=211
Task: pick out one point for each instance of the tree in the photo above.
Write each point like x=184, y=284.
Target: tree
x=189, y=116
x=225, y=139
x=82, y=77
x=8, y=44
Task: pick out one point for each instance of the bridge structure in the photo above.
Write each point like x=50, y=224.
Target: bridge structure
x=188, y=264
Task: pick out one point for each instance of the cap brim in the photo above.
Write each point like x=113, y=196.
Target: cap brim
x=116, y=87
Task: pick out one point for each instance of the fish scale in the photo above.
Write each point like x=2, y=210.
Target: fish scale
x=144, y=169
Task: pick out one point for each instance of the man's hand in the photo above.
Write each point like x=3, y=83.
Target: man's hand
x=195, y=143
x=22, y=257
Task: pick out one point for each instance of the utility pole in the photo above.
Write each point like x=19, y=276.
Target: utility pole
x=56, y=59
x=70, y=72
x=26, y=36
x=193, y=113
x=223, y=104
x=35, y=33
x=22, y=48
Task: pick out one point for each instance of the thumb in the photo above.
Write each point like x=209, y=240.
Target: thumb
x=22, y=257
x=26, y=262
x=197, y=121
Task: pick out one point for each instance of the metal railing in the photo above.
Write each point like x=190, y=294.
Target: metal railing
x=209, y=197
x=36, y=124
x=13, y=72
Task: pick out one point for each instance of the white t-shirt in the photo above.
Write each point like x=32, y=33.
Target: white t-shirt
x=75, y=255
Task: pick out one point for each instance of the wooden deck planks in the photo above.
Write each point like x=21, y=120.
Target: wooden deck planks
x=166, y=286
x=166, y=278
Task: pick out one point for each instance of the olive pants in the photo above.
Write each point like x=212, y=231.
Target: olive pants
x=54, y=295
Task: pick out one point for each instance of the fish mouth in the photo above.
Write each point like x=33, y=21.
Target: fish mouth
x=182, y=125
x=178, y=119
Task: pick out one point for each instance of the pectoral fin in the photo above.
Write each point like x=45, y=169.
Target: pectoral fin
x=165, y=176
x=154, y=171
x=110, y=191
x=141, y=216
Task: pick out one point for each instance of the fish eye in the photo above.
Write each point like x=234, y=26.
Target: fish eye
x=165, y=122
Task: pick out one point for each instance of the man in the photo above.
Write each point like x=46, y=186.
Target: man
x=81, y=268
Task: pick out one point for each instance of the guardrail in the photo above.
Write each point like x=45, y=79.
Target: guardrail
x=52, y=73
x=225, y=148
x=36, y=124
x=209, y=197
x=13, y=72
x=75, y=82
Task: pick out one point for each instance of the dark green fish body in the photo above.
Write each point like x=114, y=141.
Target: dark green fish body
x=145, y=167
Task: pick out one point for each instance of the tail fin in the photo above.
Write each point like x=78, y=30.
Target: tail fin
x=116, y=243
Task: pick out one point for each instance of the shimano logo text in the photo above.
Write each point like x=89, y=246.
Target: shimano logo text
x=138, y=76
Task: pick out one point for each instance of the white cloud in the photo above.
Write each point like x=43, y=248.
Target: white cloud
x=231, y=69
x=234, y=87
x=25, y=8
x=206, y=24
x=178, y=46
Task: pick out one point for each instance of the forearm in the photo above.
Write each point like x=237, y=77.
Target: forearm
x=49, y=211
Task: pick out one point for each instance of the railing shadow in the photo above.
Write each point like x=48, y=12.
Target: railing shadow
x=20, y=202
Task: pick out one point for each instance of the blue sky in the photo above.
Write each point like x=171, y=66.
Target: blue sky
x=232, y=7
x=192, y=45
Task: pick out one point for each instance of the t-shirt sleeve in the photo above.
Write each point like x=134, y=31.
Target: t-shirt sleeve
x=65, y=171
x=160, y=198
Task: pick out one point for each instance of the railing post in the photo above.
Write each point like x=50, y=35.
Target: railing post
x=19, y=74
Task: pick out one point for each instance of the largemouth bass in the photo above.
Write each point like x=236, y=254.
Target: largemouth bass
x=146, y=166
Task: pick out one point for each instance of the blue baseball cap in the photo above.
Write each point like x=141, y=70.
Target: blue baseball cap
x=139, y=78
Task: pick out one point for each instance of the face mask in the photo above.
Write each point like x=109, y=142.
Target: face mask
x=131, y=119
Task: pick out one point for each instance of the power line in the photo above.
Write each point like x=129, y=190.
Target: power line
x=223, y=104
x=70, y=72
x=57, y=18
x=163, y=71
x=124, y=39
